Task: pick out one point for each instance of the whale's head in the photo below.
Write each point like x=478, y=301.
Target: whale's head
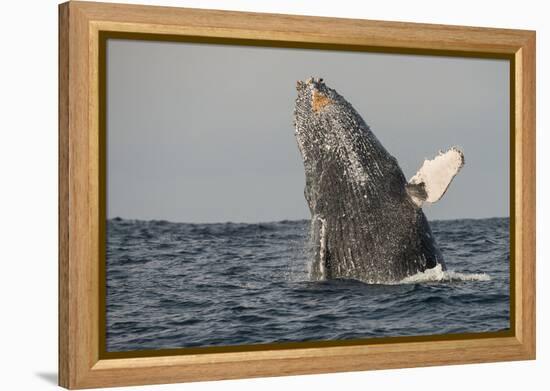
x=314, y=103
x=332, y=137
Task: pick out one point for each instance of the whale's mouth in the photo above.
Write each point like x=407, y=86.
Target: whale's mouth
x=310, y=82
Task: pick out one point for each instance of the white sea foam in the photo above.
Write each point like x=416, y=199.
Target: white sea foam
x=437, y=274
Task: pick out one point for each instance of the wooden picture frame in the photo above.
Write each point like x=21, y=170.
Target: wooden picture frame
x=83, y=29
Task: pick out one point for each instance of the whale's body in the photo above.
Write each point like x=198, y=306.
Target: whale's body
x=367, y=222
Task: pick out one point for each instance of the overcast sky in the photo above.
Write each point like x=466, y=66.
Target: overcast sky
x=204, y=133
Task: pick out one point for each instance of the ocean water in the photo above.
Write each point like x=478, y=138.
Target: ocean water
x=175, y=285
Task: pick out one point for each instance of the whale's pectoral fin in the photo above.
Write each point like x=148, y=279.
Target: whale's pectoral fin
x=434, y=177
x=417, y=191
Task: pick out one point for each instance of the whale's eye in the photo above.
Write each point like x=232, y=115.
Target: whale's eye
x=319, y=101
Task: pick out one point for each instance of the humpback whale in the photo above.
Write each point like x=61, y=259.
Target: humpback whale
x=367, y=221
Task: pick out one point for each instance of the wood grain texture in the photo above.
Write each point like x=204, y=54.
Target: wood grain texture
x=63, y=178
x=170, y=20
x=80, y=167
x=527, y=163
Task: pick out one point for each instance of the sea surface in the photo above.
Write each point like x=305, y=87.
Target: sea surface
x=175, y=285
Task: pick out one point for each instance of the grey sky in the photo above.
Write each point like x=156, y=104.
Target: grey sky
x=204, y=133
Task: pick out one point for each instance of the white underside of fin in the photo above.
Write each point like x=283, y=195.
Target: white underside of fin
x=437, y=174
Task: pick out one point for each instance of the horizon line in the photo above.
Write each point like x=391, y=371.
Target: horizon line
x=277, y=221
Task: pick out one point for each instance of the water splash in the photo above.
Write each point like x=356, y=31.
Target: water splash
x=437, y=274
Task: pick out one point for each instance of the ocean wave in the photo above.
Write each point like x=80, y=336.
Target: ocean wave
x=222, y=284
x=437, y=274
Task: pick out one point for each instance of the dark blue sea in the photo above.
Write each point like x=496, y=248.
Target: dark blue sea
x=175, y=285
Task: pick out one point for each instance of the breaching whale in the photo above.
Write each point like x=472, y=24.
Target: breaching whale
x=367, y=221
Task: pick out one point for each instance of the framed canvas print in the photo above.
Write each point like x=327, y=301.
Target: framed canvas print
x=247, y=195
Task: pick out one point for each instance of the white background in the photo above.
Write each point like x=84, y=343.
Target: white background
x=28, y=196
